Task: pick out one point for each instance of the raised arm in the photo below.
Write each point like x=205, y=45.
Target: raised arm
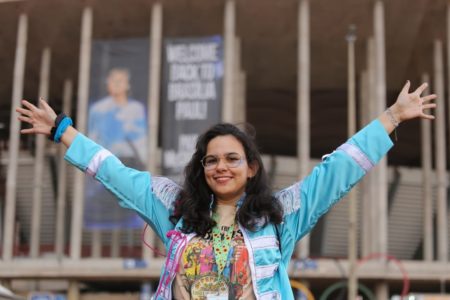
x=151, y=197
x=306, y=201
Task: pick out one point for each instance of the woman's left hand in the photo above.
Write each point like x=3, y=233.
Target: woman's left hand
x=412, y=105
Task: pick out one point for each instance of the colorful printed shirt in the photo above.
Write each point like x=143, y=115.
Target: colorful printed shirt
x=197, y=275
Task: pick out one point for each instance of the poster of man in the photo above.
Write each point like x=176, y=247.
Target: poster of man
x=117, y=120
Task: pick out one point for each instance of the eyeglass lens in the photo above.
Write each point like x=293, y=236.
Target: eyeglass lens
x=232, y=160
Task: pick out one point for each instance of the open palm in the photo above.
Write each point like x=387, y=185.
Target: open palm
x=41, y=118
x=412, y=105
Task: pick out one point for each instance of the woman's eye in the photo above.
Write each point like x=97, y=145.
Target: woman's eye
x=210, y=161
x=233, y=158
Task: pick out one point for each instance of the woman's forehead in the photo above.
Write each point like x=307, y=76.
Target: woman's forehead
x=224, y=144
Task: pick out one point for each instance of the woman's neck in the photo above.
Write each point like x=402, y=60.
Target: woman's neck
x=230, y=201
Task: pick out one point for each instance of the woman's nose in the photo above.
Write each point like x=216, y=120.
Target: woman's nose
x=221, y=165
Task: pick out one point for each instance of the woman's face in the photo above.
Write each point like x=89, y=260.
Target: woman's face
x=228, y=178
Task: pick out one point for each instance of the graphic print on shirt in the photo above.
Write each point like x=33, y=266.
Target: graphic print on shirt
x=200, y=269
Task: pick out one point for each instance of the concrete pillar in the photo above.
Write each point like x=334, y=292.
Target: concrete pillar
x=73, y=292
x=62, y=178
x=426, y=185
x=156, y=26
x=367, y=114
x=363, y=97
x=363, y=120
x=115, y=242
x=373, y=197
x=382, y=291
x=441, y=159
x=380, y=93
x=371, y=61
x=11, y=177
x=239, y=114
x=39, y=161
x=303, y=104
x=443, y=219
x=82, y=102
x=380, y=174
x=96, y=243
x=351, y=129
x=229, y=61
x=242, y=105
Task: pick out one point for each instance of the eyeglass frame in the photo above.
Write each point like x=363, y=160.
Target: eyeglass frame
x=219, y=158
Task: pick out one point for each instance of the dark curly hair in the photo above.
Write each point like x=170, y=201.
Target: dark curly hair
x=259, y=208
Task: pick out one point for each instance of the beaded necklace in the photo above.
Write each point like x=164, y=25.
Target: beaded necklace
x=222, y=240
x=221, y=245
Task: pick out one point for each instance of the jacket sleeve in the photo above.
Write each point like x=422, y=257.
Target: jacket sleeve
x=306, y=201
x=150, y=196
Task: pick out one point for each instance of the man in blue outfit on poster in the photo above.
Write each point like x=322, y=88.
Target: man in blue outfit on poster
x=120, y=123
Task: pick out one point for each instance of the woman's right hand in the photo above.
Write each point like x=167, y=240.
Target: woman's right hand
x=42, y=119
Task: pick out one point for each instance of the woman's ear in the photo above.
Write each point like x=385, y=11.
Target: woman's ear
x=253, y=169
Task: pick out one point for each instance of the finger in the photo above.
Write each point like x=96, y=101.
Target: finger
x=24, y=111
x=29, y=105
x=429, y=98
x=421, y=88
x=428, y=117
x=44, y=103
x=28, y=130
x=405, y=88
x=428, y=106
x=25, y=119
x=47, y=108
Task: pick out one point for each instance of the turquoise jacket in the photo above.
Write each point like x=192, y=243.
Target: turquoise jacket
x=304, y=203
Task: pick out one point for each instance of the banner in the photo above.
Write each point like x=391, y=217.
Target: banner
x=117, y=121
x=191, y=97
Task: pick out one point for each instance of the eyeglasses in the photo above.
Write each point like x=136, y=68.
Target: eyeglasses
x=232, y=160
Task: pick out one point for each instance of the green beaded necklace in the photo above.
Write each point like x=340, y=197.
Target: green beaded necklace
x=221, y=245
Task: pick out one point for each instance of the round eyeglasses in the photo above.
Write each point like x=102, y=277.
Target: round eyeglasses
x=232, y=160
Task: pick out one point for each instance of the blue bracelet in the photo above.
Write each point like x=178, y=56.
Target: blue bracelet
x=66, y=122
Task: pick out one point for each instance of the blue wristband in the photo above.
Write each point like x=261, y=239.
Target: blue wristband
x=66, y=122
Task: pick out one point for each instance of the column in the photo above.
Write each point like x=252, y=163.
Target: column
x=239, y=114
x=368, y=212
x=11, y=177
x=426, y=185
x=351, y=129
x=62, y=178
x=303, y=108
x=441, y=159
x=364, y=183
x=82, y=102
x=229, y=58
x=380, y=238
x=39, y=160
x=156, y=25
